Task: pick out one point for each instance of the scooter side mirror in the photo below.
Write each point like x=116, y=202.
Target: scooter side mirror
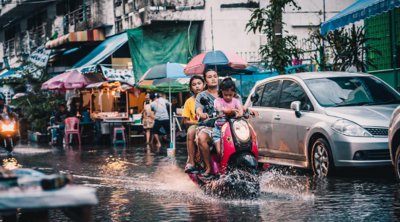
x=246, y=114
x=203, y=101
x=295, y=105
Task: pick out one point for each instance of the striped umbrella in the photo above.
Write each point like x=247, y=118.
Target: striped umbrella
x=217, y=60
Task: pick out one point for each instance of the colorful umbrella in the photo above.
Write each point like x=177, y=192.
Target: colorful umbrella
x=167, y=74
x=72, y=79
x=167, y=70
x=166, y=84
x=217, y=60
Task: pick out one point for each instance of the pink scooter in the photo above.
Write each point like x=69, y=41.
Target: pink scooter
x=239, y=154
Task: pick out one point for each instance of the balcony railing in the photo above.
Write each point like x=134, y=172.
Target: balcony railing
x=9, y=47
x=80, y=15
x=37, y=35
x=24, y=43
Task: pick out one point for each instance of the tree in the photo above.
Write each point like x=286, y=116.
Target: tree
x=280, y=49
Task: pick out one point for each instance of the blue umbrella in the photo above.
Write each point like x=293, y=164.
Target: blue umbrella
x=167, y=70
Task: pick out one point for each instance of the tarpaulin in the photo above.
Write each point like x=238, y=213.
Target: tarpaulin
x=161, y=43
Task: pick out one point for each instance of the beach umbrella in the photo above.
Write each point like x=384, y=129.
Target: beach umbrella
x=72, y=79
x=218, y=60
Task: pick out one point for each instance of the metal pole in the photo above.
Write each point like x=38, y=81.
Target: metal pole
x=324, y=10
x=212, y=31
x=394, y=48
x=322, y=50
x=171, y=127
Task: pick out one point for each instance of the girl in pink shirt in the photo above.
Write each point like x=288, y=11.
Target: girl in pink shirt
x=226, y=104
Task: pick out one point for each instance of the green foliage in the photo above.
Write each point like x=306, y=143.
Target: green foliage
x=37, y=107
x=348, y=48
x=280, y=49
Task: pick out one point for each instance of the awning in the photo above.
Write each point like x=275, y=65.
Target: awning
x=359, y=10
x=8, y=73
x=82, y=36
x=104, y=50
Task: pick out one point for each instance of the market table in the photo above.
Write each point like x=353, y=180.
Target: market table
x=75, y=201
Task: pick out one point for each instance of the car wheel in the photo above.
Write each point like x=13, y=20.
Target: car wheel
x=321, y=158
x=397, y=163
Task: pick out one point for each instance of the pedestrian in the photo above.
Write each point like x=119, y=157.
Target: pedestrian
x=161, y=120
x=148, y=117
x=196, y=85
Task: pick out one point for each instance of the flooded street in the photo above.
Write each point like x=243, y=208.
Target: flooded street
x=134, y=184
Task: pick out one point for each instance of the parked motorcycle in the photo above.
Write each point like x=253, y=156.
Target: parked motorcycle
x=236, y=171
x=9, y=131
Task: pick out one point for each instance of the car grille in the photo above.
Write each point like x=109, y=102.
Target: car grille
x=378, y=131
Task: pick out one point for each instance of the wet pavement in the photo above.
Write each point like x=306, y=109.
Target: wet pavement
x=136, y=185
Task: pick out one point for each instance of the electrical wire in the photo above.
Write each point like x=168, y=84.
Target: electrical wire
x=30, y=2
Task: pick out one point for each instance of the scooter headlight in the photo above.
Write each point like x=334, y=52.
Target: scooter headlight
x=241, y=130
x=7, y=127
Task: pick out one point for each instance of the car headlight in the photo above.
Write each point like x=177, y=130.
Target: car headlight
x=349, y=128
x=242, y=130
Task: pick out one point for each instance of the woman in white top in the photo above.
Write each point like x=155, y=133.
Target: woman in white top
x=148, y=118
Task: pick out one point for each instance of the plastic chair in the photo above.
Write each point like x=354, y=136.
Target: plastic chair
x=72, y=127
x=119, y=130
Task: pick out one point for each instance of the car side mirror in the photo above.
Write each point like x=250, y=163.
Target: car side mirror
x=254, y=98
x=295, y=105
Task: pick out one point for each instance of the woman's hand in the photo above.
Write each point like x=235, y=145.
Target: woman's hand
x=203, y=116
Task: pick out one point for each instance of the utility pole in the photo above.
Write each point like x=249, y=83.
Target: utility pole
x=322, y=49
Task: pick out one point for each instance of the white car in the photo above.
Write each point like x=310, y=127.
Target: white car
x=323, y=120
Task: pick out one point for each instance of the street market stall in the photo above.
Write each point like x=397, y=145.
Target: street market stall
x=109, y=105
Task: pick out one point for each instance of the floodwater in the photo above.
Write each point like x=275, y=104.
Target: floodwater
x=134, y=184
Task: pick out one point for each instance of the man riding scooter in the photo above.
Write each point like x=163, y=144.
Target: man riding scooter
x=9, y=128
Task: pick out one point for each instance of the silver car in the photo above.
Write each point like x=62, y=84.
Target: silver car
x=394, y=141
x=323, y=120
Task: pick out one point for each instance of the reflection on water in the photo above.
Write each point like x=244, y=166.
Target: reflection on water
x=11, y=163
x=135, y=184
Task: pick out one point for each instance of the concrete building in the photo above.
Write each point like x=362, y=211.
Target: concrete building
x=26, y=24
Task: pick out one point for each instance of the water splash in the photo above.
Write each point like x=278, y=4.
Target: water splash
x=286, y=184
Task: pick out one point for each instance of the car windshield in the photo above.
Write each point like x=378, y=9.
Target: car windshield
x=351, y=91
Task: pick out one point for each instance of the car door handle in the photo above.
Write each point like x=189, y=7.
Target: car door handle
x=277, y=117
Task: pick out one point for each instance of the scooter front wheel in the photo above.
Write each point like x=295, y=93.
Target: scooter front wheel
x=9, y=144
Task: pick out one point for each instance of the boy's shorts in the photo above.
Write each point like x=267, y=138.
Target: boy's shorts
x=203, y=129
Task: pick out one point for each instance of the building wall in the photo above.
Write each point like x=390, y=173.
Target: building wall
x=226, y=30
x=311, y=15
